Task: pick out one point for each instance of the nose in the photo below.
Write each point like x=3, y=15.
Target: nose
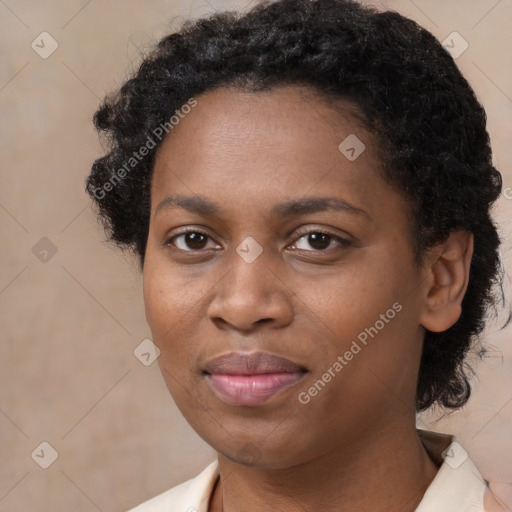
x=251, y=294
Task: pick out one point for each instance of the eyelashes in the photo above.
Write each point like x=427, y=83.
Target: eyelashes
x=323, y=236
x=192, y=240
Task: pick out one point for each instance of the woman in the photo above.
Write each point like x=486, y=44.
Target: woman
x=307, y=186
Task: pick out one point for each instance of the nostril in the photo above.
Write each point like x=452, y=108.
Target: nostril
x=263, y=320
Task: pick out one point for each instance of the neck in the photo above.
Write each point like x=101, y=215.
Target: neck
x=389, y=470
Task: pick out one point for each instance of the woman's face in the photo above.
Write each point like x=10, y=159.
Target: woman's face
x=266, y=271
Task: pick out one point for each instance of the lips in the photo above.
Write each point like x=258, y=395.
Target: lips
x=255, y=363
x=251, y=378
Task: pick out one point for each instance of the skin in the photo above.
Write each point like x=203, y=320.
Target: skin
x=354, y=446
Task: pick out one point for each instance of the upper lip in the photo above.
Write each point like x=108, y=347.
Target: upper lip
x=254, y=363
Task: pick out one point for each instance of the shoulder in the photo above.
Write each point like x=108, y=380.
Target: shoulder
x=190, y=496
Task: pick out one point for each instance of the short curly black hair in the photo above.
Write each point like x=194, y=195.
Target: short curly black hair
x=430, y=128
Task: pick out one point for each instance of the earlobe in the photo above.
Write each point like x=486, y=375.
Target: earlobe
x=448, y=268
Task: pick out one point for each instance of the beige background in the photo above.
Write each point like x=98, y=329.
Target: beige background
x=69, y=326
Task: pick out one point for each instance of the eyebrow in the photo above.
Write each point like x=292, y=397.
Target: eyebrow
x=295, y=207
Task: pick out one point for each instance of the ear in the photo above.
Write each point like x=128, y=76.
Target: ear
x=447, y=266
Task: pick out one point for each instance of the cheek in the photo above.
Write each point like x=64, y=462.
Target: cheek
x=167, y=314
x=369, y=303
x=168, y=297
x=156, y=297
x=168, y=308
x=350, y=299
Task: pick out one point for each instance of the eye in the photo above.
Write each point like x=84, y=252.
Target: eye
x=189, y=241
x=193, y=240
x=319, y=240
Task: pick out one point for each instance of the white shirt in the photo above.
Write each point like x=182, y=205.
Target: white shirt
x=457, y=486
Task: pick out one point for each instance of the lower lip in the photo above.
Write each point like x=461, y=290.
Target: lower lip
x=251, y=389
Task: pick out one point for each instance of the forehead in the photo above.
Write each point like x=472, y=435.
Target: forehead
x=292, y=110
x=256, y=149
